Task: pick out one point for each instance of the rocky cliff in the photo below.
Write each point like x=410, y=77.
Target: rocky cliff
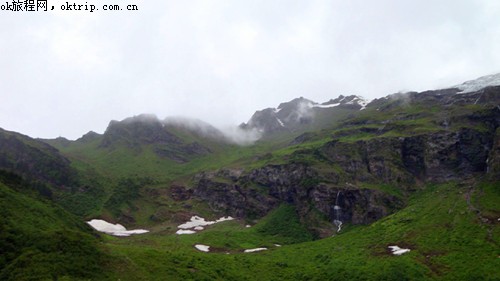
x=369, y=165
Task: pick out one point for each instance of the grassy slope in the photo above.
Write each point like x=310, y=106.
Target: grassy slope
x=446, y=236
x=40, y=241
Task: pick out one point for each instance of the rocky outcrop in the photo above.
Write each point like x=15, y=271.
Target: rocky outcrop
x=376, y=160
x=357, y=206
x=438, y=157
x=137, y=130
x=493, y=161
x=255, y=193
x=399, y=162
x=234, y=196
x=180, y=193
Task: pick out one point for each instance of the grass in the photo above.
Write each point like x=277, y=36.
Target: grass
x=41, y=241
x=446, y=238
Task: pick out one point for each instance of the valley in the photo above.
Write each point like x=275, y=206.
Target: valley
x=404, y=187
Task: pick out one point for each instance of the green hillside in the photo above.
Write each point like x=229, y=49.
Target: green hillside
x=326, y=197
x=41, y=241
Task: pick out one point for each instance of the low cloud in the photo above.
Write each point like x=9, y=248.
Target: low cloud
x=241, y=136
x=229, y=134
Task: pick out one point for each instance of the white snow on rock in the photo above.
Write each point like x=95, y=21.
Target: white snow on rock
x=398, y=251
x=360, y=101
x=363, y=103
x=479, y=83
x=197, y=223
x=203, y=248
x=114, y=229
x=254, y=250
x=357, y=100
x=326, y=105
x=281, y=122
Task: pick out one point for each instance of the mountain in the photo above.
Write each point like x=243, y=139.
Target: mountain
x=142, y=130
x=398, y=142
x=35, y=160
x=302, y=114
x=326, y=192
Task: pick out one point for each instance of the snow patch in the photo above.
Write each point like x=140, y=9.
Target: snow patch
x=359, y=101
x=281, y=122
x=398, y=251
x=363, y=103
x=197, y=223
x=479, y=83
x=114, y=229
x=203, y=248
x=182, y=231
x=326, y=105
x=255, y=250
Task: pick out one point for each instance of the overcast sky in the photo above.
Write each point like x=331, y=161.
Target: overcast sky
x=63, y=73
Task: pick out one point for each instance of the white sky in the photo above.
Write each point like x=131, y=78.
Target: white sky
x=63, y=73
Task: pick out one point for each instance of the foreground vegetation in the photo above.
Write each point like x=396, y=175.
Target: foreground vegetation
x=448, y=238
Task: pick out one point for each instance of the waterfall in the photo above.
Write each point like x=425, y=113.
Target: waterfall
x=488, y=165
x=337, y=213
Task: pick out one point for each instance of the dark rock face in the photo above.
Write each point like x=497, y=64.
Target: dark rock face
x=357, y=206
x=231, y=198
x=180, y=193
x=493, y=161
x=257, y=192
x=376, y=160
x=437, y=156
x=266, y=121
x=397, y=161
x=283, y=181
x=448, y=155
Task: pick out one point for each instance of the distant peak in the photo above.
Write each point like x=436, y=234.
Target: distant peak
x=91, y=135
x=296, y=102
x=142, y=118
